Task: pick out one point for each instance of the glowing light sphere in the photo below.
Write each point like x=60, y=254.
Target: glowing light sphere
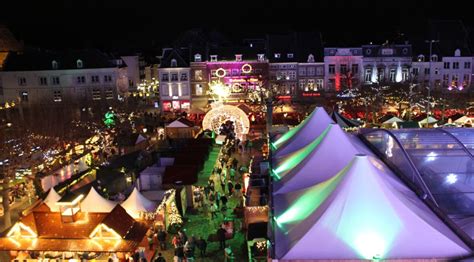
x=220, y=113
x=220, y=90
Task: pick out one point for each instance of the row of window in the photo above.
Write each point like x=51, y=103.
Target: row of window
x=343, y=68
x=381, y=75
x=55, y=64
x=174, y=77
x=57, y=95
x=447, y=65
x=54, y=80
x=309, y=85
x=175, y=90
x=238, y=58
x=310, y=71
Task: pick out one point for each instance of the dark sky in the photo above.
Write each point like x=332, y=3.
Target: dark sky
x=67, y=23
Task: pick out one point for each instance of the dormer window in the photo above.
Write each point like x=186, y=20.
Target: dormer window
x=311, y=58
x=290, y=55
x=261, y=57
x=79, y=63
x=174, y=63
x=197, y=58
x=434, y=58
x=457, y=52
x=213, y=58
x=277, y=55
x=238, y=58
x=421, y=58
x=54, y=64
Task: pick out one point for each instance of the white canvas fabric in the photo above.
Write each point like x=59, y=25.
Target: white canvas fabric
x=51, y=200
x=361, y=213
x=316, y=162
x=95, y=203
x=303, y=134
x=137, y=203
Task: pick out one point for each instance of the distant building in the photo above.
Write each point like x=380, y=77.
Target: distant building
x=174, y=78
x=75, y=77
x=343, y=68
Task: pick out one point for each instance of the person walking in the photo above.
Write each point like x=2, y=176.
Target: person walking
x=221, y=237
x=162, y=239
x=202, y=245
x=214, y=209
x=150, y=242
x=230, y=186
x=160, y=258
x=224, y=202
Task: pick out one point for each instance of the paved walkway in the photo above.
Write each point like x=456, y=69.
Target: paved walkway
x=198, y=222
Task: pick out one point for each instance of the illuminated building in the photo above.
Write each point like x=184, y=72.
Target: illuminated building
x=343, y=68
x=389, y=63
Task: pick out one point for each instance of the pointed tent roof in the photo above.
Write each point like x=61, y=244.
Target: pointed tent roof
x=342, y=121
x=303, y=134
x=360, y=213
x=51, y=200
x=95, y=203
x=181, y=122
x=316, y=162
x=137, y=203
x=392, y=120
x=429, y=120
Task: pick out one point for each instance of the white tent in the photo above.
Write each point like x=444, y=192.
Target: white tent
x=393, y=120
x=429, y=120
x=303, y=134
x=137, y=203
x=315, y=163
x=95, y=203
x=361, y=213
x=463, y=120
x=51, y=200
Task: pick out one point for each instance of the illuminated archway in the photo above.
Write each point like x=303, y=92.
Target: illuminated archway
x=219, y=114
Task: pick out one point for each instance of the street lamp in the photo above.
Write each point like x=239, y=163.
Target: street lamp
x=429, y=83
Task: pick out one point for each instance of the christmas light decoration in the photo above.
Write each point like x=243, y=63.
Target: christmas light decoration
x=220, y=114
x=246, y=68
x=109, y=119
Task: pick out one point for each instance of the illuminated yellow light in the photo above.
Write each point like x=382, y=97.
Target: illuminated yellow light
x=221, y=72
x=15, y=231
x=97, y=232
x=246, y=68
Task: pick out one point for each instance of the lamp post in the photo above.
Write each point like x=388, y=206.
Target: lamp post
x=429, y=83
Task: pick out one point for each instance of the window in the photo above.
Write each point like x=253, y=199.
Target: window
x=355, y=69
x=343, y=68
x=54, y=64
x=467, y=65
x=332, y=69
x=213, y=58
x=96, y=94
x=43, y=81
x=302, y=84
x=198, y=90
x=310, y=85
x=292, y=75
x=290, y=55
x=24, y=96
x=445, y=79
x=109, y=93
x=446, y=65
x=415, y=71
x=184, y=77
x=174, y=63
x=238, y=58
x=421, y=58
x=81, y=79
x=107, y=78
x=164, y=77
x=392, y=75
x=260, y=57
x=367, y=75
x=387, y=51
x=465, y=80
x=405, y=74
x=381, y=74
x=302, y=71
x=454, y=81
x=79, y=63
x=175, y=91
x=310, y=58
x=57, y=96
x=174, y=77
x=311, y=71
x=213, y=73
x=427, y=71
x=235, y=72
x=22, y=81
x=455, y=65
x=95, y=79
x=197, y=75
x=434, y=58
x=55, y=80
x=436, y=71
x=197, y=58
x=319, y=84
x=277, y=55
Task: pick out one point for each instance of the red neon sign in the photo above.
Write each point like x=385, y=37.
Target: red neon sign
x=311, y=94
x=284, y=97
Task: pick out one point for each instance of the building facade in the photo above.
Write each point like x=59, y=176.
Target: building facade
x=41, y=78
x=342, y=68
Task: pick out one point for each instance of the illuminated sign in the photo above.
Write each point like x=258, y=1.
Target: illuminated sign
x=284, y=97
x=311, y=94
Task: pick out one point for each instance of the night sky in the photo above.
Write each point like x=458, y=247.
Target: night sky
x=119, y=23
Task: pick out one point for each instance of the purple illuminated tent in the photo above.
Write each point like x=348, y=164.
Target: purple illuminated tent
x=314, y=163
x=303, y=134
x=363, y=212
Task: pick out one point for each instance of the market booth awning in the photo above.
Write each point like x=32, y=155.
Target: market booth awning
x=303, y=134
x=363, y=212
x=95, y=203
x=136, y=203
